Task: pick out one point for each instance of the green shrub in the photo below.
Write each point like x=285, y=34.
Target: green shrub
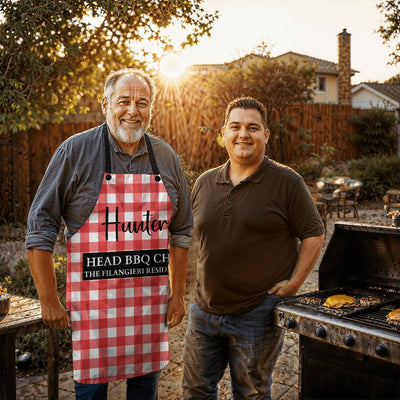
x=375, y=132
x=21, y=284
x=310, y=169
x=316, y=166
x=190, y=175
x=378, y=174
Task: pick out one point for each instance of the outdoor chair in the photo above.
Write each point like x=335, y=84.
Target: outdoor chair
x=326, y=195
x=321, y=207
x=391, y=200
x=319, y=203
x=347, y=200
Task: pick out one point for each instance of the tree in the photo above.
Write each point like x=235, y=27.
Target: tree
x=276, y=84
x=54, y=52
x=226, y=86
x=390, y=31
x=394, y=80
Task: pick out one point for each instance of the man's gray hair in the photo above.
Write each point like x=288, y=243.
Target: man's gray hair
x=114, y=77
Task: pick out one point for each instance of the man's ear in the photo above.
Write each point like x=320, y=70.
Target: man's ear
x=221, y=137
x=267, y=133
x=104, y=105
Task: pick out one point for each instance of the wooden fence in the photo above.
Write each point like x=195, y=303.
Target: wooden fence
x=187, y=123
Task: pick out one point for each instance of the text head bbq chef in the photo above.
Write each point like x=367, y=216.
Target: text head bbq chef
x=124, y=200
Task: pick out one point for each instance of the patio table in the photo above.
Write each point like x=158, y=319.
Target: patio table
x=24, y=317
x=328, y=186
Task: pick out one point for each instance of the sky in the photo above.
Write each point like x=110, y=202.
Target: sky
x=307, y=27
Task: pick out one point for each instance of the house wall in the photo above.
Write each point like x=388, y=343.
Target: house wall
x=330, y=96
x=366, y=100
x=287, y=57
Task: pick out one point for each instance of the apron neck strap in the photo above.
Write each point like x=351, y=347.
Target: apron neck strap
x=153, y=162
x=107, y=149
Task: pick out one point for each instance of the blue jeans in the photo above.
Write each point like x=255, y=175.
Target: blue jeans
x=143, y=387
x=249, y=343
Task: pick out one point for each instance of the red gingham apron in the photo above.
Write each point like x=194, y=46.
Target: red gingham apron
x=117, y=278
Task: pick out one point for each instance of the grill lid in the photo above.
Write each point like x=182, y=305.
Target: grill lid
x=362, y=256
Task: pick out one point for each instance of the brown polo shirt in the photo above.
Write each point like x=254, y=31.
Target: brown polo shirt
x=248, y=234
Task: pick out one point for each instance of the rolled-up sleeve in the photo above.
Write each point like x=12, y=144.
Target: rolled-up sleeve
x=182, y=224
x=44, y=217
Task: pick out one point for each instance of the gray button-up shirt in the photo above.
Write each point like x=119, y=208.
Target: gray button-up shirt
x=73, y=179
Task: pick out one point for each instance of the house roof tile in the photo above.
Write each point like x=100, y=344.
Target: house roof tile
x=322, y=66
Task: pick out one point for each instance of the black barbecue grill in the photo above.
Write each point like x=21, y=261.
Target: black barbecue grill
x=350, y=353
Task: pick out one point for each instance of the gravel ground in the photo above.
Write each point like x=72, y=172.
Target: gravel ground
x=285, y=377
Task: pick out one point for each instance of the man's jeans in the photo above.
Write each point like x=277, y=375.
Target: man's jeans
x=249, y=343
x=139, y=388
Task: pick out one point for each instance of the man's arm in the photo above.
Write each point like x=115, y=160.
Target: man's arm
x=42, y=270
x=308, y=255
x=178, y=260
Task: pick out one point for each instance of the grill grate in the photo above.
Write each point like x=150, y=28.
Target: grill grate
x=316, y=299
x=377, y=318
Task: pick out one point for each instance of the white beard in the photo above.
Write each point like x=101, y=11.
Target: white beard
x=132, y=136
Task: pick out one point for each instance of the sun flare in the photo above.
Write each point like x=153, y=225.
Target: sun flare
x=172, y=66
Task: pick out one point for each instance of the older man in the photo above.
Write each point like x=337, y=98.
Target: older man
x=248, y=215
x=126, y=207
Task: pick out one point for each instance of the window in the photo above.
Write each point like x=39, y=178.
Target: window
x=321, y=84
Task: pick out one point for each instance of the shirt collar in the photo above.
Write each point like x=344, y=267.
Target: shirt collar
x=113, y=143
x=255, y=177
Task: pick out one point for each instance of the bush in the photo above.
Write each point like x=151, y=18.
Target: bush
x=22, y=284
x=316, y=166
x=310, y=169
x=378, y=174
x=375, y=132
x=190, y=175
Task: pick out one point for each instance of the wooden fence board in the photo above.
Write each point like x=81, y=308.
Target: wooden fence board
x=6, y=178
x=20, y=176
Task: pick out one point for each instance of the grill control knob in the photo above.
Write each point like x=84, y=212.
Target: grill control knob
x=320, y=332
x=381, y=350
x=289, y=323
x=349, y=340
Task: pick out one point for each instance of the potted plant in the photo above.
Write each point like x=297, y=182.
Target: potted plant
x=4, y=301
x=395, y=218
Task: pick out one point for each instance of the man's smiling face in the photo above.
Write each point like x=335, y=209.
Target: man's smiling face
x=245, y=137
x=127, y=108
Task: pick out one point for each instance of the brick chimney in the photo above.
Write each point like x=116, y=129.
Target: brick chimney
x=344, y=64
